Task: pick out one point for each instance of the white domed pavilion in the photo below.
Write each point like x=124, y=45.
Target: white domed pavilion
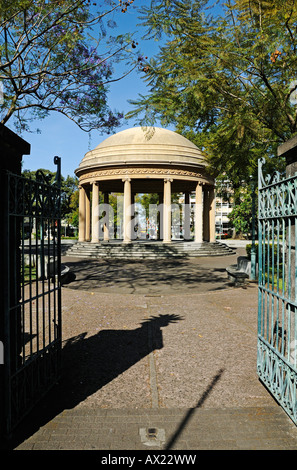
x=145, y=160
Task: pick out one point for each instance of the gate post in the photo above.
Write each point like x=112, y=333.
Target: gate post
x=12, y=149
x=288, y=150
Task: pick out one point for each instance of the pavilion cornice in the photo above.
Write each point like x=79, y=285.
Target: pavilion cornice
x=144, y=173
x=143, y=163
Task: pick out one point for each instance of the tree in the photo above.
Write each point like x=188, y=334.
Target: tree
x=68, y=191
x=73, y=216
x=225, y=77
x=57, y=55
x=241, y=216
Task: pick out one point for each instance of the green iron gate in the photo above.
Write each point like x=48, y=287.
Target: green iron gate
x=277, y=284
x=32, y=314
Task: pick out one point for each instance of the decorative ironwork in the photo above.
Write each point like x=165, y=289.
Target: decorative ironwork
x=277, y=301
x=278, y=197
x=33, y=313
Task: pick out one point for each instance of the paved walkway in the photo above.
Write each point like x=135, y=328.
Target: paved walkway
x=158, y=356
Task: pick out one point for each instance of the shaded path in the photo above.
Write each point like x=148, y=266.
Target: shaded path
x=150, y=276
x=195, y=349
x=92, y=362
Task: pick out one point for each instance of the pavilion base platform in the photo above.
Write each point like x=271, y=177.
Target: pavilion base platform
x=147, y=249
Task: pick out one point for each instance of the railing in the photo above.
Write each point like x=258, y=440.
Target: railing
x=277, y=301
x=33, y=306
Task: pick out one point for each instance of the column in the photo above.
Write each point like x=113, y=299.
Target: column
x=106, y=224
x=212, y=215
x=95, y=212
x=133, y=218
x=198, y=215
x=127, y=210
x=88, y=215
x=160, y=215
x=82, y=215
x=167, y=211
x=187, y=217
x=205, y=214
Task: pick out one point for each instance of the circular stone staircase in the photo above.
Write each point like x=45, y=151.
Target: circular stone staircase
x=147, y=249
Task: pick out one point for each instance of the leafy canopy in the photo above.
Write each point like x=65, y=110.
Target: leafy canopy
x=225, y=77
x=58, y=55
x=68, y=189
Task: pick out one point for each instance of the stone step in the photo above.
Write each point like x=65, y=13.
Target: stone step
x=147, y=250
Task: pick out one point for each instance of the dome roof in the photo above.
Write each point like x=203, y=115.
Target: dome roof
x=143, y=146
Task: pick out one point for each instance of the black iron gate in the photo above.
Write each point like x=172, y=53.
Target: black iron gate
x=32, y=310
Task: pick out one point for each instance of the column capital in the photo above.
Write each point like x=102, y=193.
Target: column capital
x=126, y=179
x=168, y=180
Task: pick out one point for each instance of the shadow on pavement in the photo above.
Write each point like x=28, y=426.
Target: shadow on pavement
x=89, y=363
x=145, y=276
x=191, y=411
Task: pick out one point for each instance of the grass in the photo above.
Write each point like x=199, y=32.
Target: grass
x=29, y=273
x=273, y=277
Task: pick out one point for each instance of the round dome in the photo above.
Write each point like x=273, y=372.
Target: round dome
x=143, y=146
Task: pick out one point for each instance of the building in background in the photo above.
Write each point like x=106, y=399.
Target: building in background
x=224, y=205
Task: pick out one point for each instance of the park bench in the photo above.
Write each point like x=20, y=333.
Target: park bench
x=236, y=276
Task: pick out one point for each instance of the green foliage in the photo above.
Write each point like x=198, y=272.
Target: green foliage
x=153, y=198
x=58, y=56
x=241, y=217
x=113, y=203
x=73, y=215
x=248, y=250
x=226, y=75
x=146, y=199
x=271, y=253
x=69, y=192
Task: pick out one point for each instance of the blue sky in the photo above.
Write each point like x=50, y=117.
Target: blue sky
x=60, y=136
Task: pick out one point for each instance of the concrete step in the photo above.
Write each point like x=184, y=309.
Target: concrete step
x=147, y=250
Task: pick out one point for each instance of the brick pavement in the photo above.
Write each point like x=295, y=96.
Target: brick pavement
x=169, y=367
x=256, y=428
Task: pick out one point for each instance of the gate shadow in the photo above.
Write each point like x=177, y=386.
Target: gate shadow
x=183, y=424
x=89, y=363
